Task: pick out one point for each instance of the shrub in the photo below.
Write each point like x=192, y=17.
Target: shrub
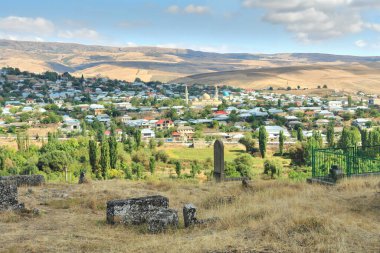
x=114, y=173
x=162, y=156
x=272, y=167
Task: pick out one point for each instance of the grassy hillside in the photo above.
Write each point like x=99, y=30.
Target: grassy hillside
x=272, y=216
x=350, y=73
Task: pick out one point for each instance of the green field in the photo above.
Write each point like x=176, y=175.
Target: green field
x=201, y=154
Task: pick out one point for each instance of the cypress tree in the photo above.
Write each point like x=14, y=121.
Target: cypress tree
x=92, y=153
x=104, y=158
x=281, y=140
x=330, y=135
x=263, y=139
x=299, y=134
x=113, y=150
x=138, y=138
x=364, y=138
x=152, y=165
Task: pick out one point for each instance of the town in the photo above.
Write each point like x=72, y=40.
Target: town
x=174, y=117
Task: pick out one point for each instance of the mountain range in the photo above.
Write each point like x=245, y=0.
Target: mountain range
x=307, y=70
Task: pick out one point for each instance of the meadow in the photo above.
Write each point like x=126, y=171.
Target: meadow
x=270, y=216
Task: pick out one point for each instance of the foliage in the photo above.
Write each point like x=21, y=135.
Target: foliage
x=281, y=140
x=249, y=143
x=273, y=167
x=263, y=139
x=104, y=158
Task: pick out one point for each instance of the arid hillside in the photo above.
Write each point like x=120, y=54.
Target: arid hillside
x=349, y=73
x=271, y=216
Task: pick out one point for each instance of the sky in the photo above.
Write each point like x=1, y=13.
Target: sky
x=350, y=27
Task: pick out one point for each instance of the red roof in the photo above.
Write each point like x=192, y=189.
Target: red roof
x=107, y=132
x=161, y=121
x=221, y=113
x=176, y=134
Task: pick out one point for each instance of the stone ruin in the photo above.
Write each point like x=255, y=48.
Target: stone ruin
x=151, y=210
x=8, y=196
x=190, y=216
x=25, y=180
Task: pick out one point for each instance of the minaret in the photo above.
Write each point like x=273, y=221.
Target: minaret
x=216, y=96
x=186, y=95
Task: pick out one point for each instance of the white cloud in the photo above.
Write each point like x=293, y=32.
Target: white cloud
x=315, y=20
x=196, y=9
x=41, y=29
x=361, y=43
x=190, y=9
x=14, y=25
x=83, y=33
x=174, y=9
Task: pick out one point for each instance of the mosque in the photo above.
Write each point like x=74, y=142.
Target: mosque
x=205, y=99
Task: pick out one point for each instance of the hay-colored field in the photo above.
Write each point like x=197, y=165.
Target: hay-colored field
x=272, y=216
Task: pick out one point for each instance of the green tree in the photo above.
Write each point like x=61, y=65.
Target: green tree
x=350, y=137
x=249, y=143
x=281, y=140
x=152, y=164
x=104, y=158
x=330, y=135
x=178, y=168
x=93, y=153
x=113, y=151
x=299, y=134
x=137, y=137
x=263, y=139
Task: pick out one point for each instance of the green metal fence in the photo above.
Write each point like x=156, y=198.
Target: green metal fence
x=352, y=161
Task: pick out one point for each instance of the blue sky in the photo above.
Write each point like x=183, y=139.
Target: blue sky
x=253, y=26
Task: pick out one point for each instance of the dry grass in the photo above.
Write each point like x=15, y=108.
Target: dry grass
x=273, y=216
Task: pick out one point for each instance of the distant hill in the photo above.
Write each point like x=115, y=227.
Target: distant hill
x=183, y=65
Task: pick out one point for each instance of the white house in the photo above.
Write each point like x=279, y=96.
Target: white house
x=147, y=133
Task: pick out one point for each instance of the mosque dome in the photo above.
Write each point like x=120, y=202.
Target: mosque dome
x=206, y=96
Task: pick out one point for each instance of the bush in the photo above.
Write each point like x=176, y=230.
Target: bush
x=273, y=168
x=300, y=174
x=161, y=156
x=114, y=173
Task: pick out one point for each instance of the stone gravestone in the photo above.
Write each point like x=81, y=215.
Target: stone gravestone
x=218, y=160
x=8, y=196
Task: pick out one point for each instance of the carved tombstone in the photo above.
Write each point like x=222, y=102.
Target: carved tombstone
x=218, y=160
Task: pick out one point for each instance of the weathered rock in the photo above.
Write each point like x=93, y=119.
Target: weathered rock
x=25, y=180
x=189, y=215
x=161, y=219
x=135, y=210
x=8, y=196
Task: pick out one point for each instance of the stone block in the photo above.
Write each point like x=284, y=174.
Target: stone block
x=8, y=196
x=189, y=215
x=25, y=180
x=161, y=219
x=135, y=210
